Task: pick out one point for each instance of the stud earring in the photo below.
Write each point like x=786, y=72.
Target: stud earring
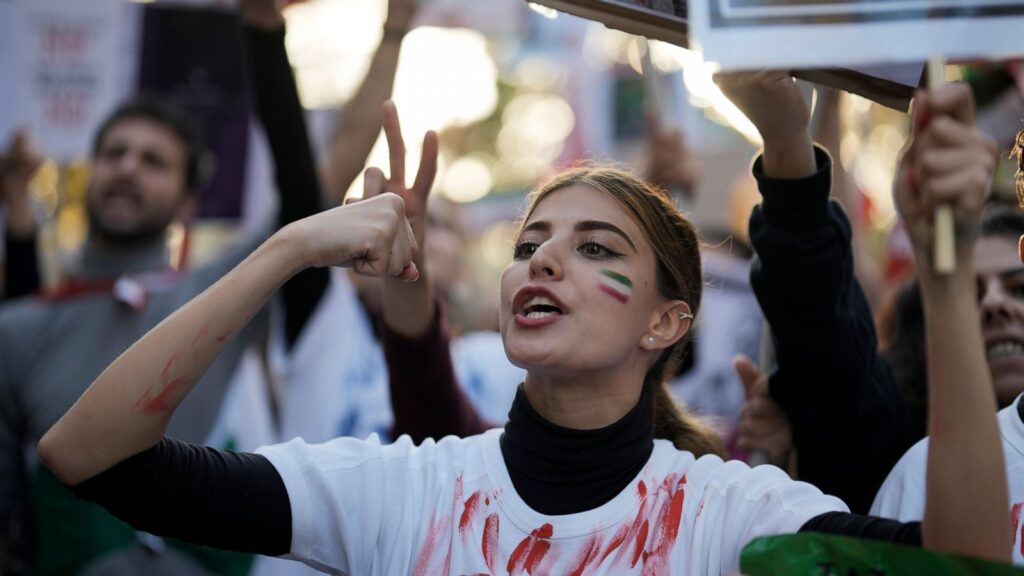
x=650, y=339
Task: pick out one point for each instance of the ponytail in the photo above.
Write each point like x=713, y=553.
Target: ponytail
x=686, y=431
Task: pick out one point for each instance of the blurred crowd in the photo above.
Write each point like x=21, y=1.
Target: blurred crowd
x=809, y=352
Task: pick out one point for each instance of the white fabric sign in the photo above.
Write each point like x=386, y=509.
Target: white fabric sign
x=67, y=69
x=745, y=34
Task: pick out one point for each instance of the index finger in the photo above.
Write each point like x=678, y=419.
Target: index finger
x=955, y=100
x=428, y=164
x=396, y=145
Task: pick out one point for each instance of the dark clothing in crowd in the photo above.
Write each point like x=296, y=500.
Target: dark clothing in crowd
x=850, y=421
x=21, y=267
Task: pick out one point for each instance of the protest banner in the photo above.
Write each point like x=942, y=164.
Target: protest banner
x=193, y=59
x=667, y=20
x=64, y=68
x=746, y=34
x=655, y=19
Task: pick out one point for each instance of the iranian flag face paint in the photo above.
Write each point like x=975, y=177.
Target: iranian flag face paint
x=616, y=285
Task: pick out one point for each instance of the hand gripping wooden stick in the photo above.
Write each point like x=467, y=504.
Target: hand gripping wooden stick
x=944, y=243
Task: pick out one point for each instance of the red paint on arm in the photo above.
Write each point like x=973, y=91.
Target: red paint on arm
x=158, y=398
x=160, y=402
x=155, y=398
x=199, y=335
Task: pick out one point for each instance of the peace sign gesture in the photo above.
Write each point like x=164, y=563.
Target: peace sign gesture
x=415, y=197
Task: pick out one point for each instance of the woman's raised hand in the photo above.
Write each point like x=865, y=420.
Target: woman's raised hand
x=772, y=100
x=408, y=309
x=372, y=236
x=948, y=162
x=415, y=197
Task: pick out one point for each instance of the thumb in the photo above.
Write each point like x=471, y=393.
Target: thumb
x=749, y=375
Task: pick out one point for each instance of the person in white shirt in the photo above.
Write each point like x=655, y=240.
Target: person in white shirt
x=603, y=287
x=1000, y=257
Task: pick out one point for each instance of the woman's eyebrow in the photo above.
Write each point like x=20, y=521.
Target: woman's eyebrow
x=537, y=225
x=589, y=225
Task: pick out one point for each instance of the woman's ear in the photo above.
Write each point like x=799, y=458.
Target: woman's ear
x=669, y=326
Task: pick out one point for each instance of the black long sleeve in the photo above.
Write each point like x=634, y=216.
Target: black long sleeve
x=869, y=527
x=21, y=274
x=850, y=422
x=280, y=113
x=229, y=500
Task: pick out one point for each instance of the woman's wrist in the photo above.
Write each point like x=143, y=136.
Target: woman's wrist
x=289, y=249
x=789, y=156
x=961, y=283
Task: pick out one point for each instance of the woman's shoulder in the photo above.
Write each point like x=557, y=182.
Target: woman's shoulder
x=712, y=474
x=348, y=452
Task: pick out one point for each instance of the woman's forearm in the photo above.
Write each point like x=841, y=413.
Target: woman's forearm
x=127, y=408
x=966, y=506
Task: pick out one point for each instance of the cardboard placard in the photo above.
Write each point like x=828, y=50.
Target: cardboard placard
x=666, y=20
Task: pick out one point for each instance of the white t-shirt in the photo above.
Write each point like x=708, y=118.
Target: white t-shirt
x=902, y=495
x=449, y=508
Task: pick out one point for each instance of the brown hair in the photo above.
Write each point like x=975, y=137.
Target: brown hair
x=1018, y=151
x=678, y=274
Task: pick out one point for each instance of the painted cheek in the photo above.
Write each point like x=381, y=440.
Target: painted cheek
x=617, y=286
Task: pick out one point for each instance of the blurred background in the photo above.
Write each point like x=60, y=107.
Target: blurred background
x=516, y=92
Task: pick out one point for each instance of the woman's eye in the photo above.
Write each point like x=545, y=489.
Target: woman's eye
x=524, y=250
x=596, y=250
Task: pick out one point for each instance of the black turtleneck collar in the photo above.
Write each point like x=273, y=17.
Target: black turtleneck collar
x=558, y=470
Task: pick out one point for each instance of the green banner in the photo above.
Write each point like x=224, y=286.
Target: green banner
x=824, y=555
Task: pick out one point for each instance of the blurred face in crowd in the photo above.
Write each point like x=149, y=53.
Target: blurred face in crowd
x=138, y=184
x=580, y=293
x=1001, y=299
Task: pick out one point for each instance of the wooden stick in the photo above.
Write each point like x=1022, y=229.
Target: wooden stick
x=944, y=245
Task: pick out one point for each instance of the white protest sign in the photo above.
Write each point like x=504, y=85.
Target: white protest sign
x=67, y=70
x=746, y=34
